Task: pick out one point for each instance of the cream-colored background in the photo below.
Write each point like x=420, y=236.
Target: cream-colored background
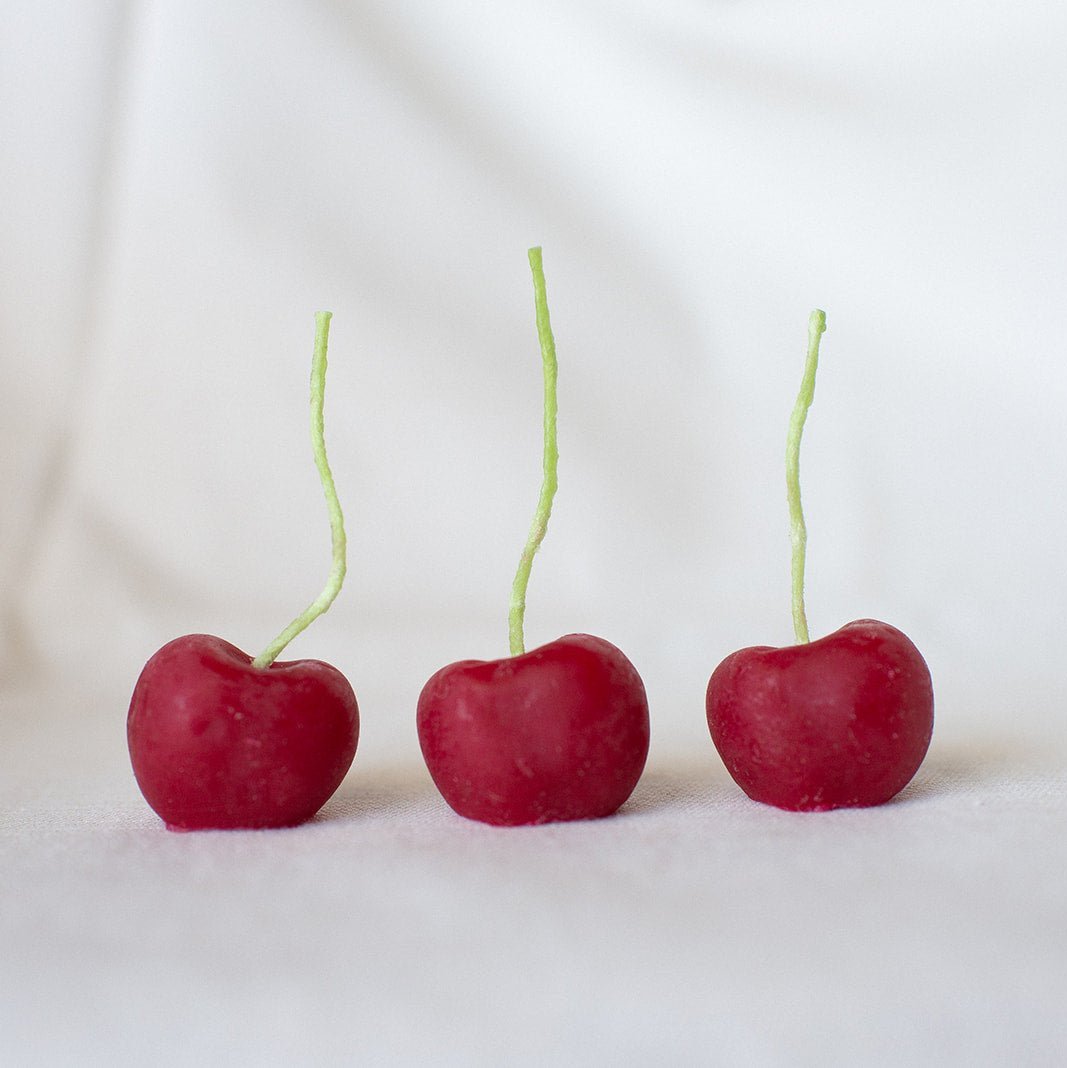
x=186, y=183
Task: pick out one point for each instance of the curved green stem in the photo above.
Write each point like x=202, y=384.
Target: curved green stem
x=798, y=532
x=550, y=461
x=333, y=505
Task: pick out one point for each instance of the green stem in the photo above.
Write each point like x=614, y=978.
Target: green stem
x=798, y=532
x=550, y=461
x=333, y=505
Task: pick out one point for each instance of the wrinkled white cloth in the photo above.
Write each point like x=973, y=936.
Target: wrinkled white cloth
x=186, y=183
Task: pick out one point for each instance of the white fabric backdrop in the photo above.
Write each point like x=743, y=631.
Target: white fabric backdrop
x=186, y=183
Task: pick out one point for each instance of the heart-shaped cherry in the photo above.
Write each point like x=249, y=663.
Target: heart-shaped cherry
x=221, y=741
x=557, y=733
x=839, y=722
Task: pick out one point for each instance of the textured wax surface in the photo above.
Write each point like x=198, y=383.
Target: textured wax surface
x=843, y=720
x=559, y=733
x=216, y=742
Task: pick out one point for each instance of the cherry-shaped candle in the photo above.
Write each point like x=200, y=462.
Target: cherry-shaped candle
x=557, y=733
x=838, y=722
x=219, y=740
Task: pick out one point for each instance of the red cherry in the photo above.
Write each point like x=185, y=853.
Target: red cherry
x=217, y=743
x=558, y=733
x=839, y=722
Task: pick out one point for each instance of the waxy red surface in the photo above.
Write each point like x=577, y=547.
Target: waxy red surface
x=558, y=733
x=842, y=721
x=219, y=744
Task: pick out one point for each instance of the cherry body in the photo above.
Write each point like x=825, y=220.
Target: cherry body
x=557, y=733
x=216, y=743
x=838, y=722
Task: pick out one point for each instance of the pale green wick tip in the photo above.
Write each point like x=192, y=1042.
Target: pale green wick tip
x=798, y=533
x=550, y=462
x=333, y=505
